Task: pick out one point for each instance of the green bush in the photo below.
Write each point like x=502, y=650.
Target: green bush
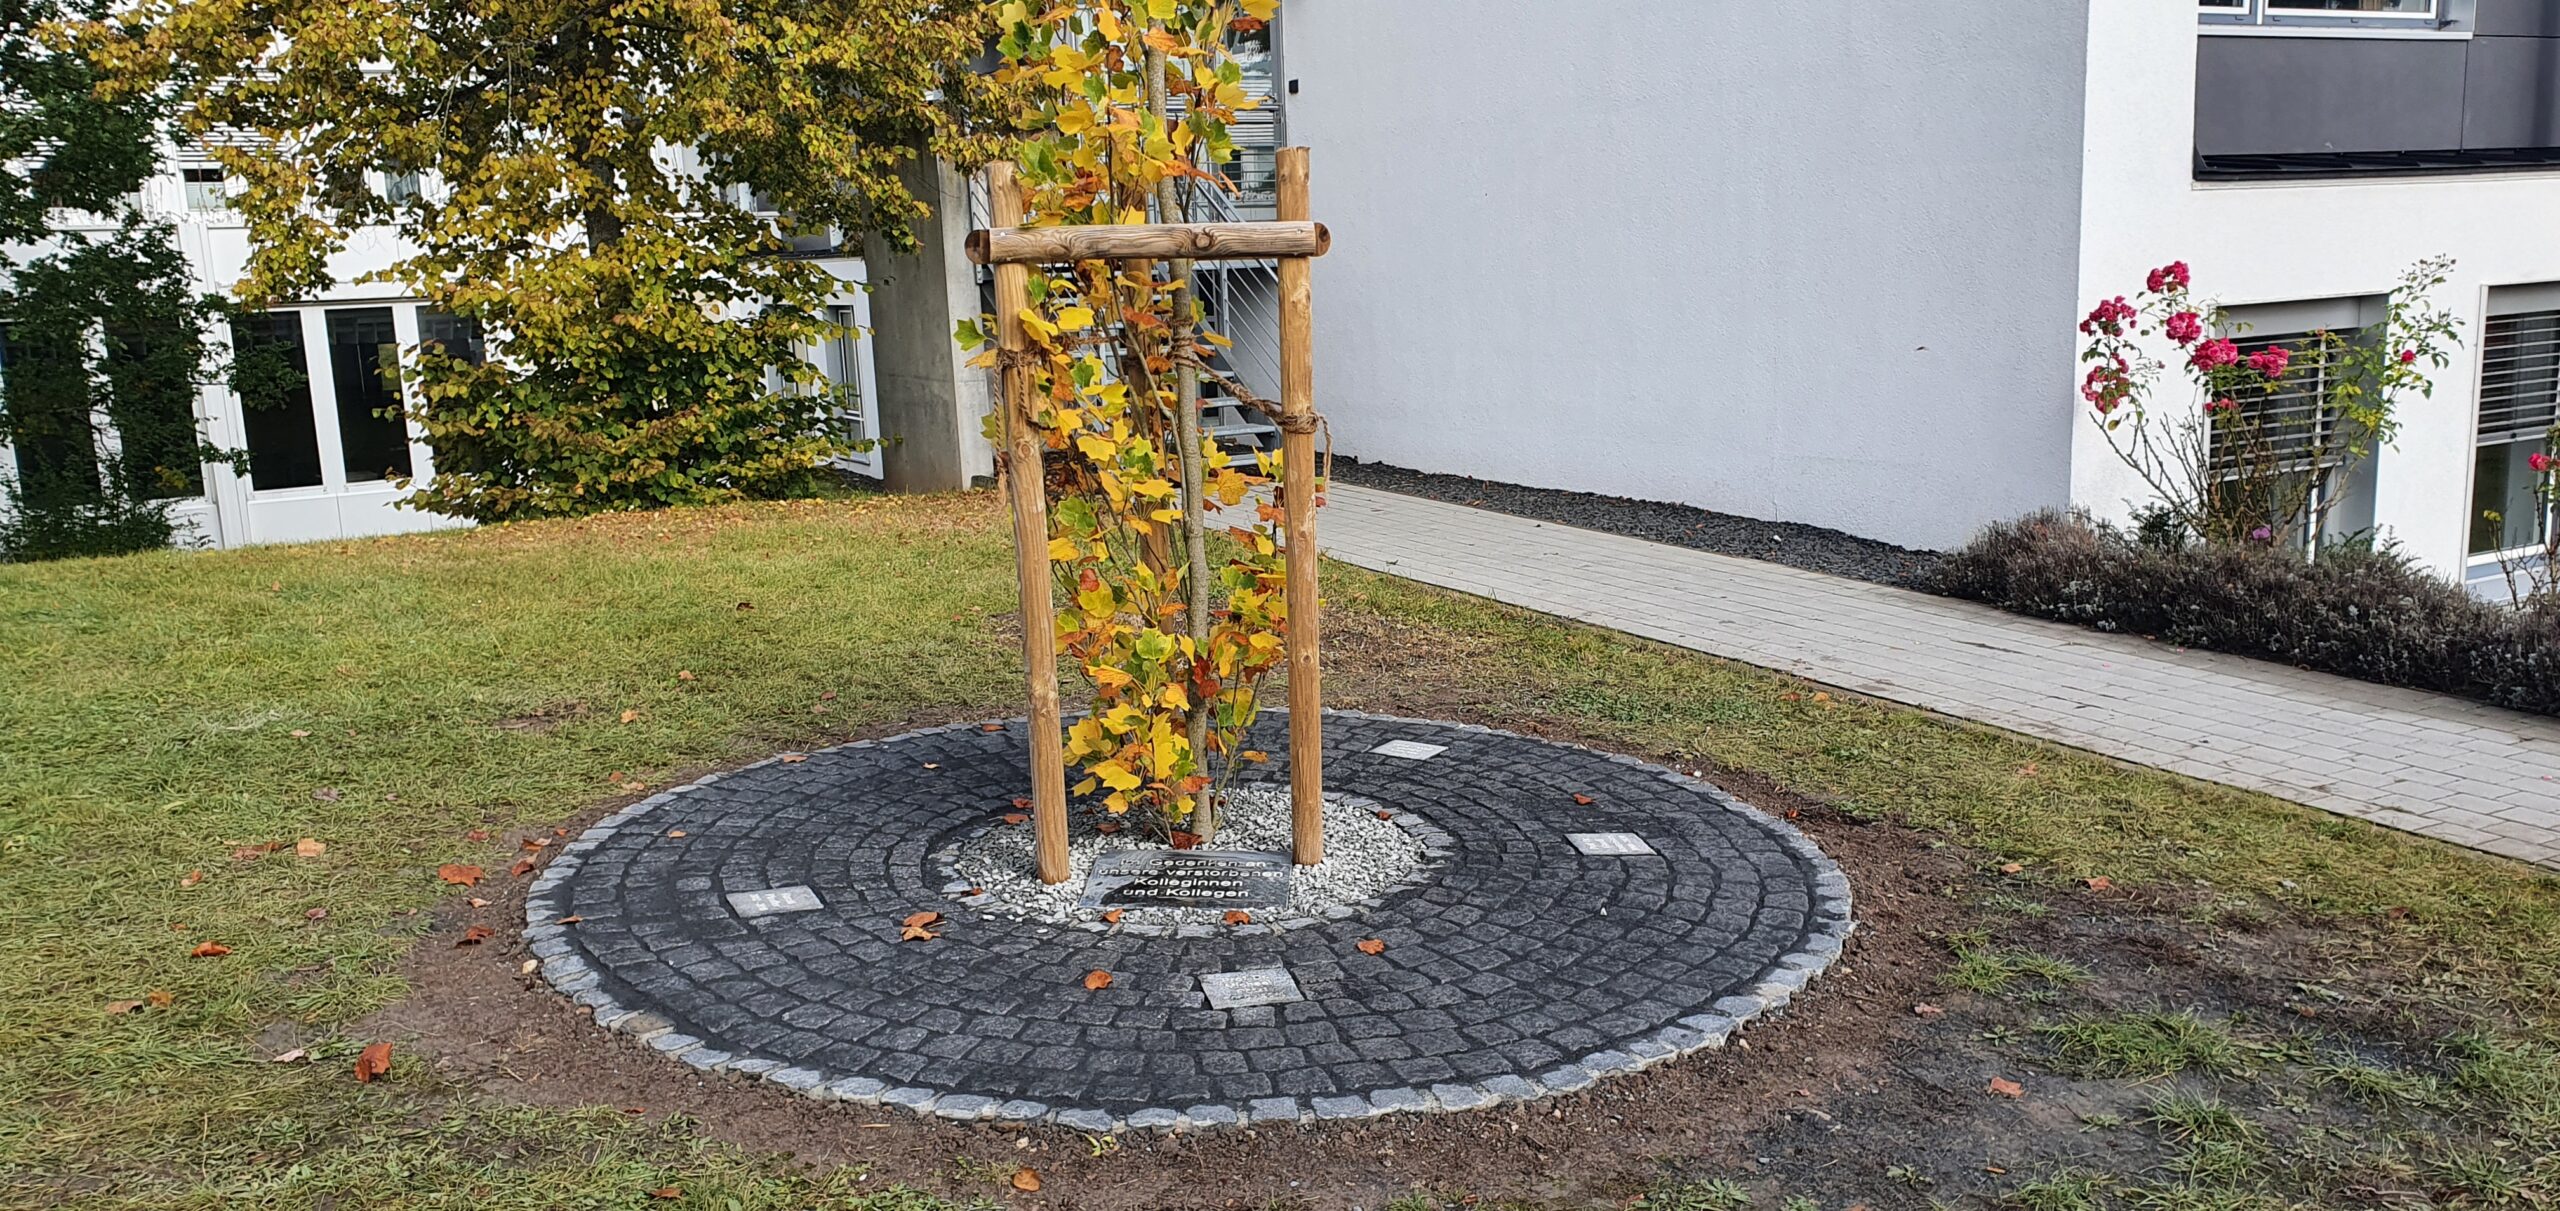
x=2358, y=612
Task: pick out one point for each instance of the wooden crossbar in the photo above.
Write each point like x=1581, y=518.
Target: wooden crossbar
x=1151, y=241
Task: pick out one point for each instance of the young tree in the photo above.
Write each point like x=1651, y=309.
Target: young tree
x=591, y=182
x=97, y=311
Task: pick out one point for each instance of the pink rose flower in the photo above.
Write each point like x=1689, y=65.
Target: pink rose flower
x=2186, y=327
x=2540, y=462
x=2225, y=404
x=2161, y=278
x=2271, y=361
x=2407, y=356
x=2109, y=317
x=2214, y=354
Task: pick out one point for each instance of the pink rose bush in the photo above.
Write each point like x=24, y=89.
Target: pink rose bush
x=2223, y=469
x=2541, y=462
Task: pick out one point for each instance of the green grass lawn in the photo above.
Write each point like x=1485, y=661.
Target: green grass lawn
x=166, y=718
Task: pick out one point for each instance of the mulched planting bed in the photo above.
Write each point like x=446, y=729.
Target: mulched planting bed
x=792, y=921
x=1794, y=544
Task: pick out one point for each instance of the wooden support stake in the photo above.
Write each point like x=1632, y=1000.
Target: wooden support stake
x=1152, y=241
x=1298, y=493
x=1028, y=495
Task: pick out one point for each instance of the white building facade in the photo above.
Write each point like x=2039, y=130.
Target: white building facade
x=1824, y=262
x=332, y=456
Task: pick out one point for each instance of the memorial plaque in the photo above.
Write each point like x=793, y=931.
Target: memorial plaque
x=1410, y=750
x=1187, y=878
x=1609, y=845
x=779, y=899
x=1247, y=989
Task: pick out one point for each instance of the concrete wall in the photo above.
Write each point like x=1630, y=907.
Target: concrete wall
x=1805, y=262
x=2273, y=242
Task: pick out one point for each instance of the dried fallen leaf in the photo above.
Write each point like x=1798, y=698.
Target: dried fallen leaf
x=1926, y=1010
x=2097, y=882
x=315, y=914
x=916, y=933
x=921, y=918
x=675, y=832
x=1021, y=803
x=829, y=696
x=477, y=902
x=630, y=716
x=459, y=874
x=794, y=758
x=1097, y=980
x=1026, y=1180
x=1111, y=917
x=1372, y=946
x=1182, y=840
x=2028, y=770
x=115, y=1008
x=675, y=1192
x=160, y=998
x=310, y=847
x=572, y=918
x=477, y=834
x=534, y=843
x=2005, y=1087
x=1238, y=916
x=372, y=1062
x=288, y=1057
x=522, y=868
x=2011, y=868
x=476, y=935
x=1107, y=827
x=327, y=794
x=933, y=765
x=991, y=727
x=193, y=877
x=1823, y=696
x=209, y=950
x=301, y=733
x=1015, y=817
x=684, y=675
x=1584, y=800
x=1384, y=814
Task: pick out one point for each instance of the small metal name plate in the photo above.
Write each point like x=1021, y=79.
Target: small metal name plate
x=1410, y=750
x=1609, y=845
x=1247, y=989
x=779, y=899
x=1187, y=878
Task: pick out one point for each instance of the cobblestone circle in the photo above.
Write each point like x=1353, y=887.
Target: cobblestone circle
x=1516, y=966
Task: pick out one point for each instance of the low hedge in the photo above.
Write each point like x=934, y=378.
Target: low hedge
x=2359, y=613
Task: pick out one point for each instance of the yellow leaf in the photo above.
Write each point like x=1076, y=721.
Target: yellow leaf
x=1262, y=9
x=1116, y=776
x=1064, y=550
x=1176, y=699
x=1074, y=120
x=1099, y=449
x=1165, y=10
x=1075, y=317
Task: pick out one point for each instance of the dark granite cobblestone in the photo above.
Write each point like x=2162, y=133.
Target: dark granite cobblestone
x=1515, y=967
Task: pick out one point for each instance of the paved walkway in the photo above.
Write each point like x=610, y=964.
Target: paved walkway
x=2451, y=769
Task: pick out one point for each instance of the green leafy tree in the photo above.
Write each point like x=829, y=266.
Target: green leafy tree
x=594, y=184
x=97, y=310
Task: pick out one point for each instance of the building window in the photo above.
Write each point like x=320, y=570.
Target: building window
x=457, y=336
x=271, y=375
x=400, y=188
x=2400, y=13
x=364, y=364
x=2519, y=410
x=2275, y=453
x=206, y=189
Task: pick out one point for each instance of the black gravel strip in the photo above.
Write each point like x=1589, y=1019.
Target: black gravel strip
x=1794, y=544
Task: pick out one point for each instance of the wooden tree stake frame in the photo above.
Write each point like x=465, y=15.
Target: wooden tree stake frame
x=1294, y=241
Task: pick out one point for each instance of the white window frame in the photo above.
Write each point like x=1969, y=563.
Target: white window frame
x=2471, y=489
x=2273, y=14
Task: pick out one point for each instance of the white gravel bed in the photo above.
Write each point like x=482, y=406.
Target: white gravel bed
x=1365, y=857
